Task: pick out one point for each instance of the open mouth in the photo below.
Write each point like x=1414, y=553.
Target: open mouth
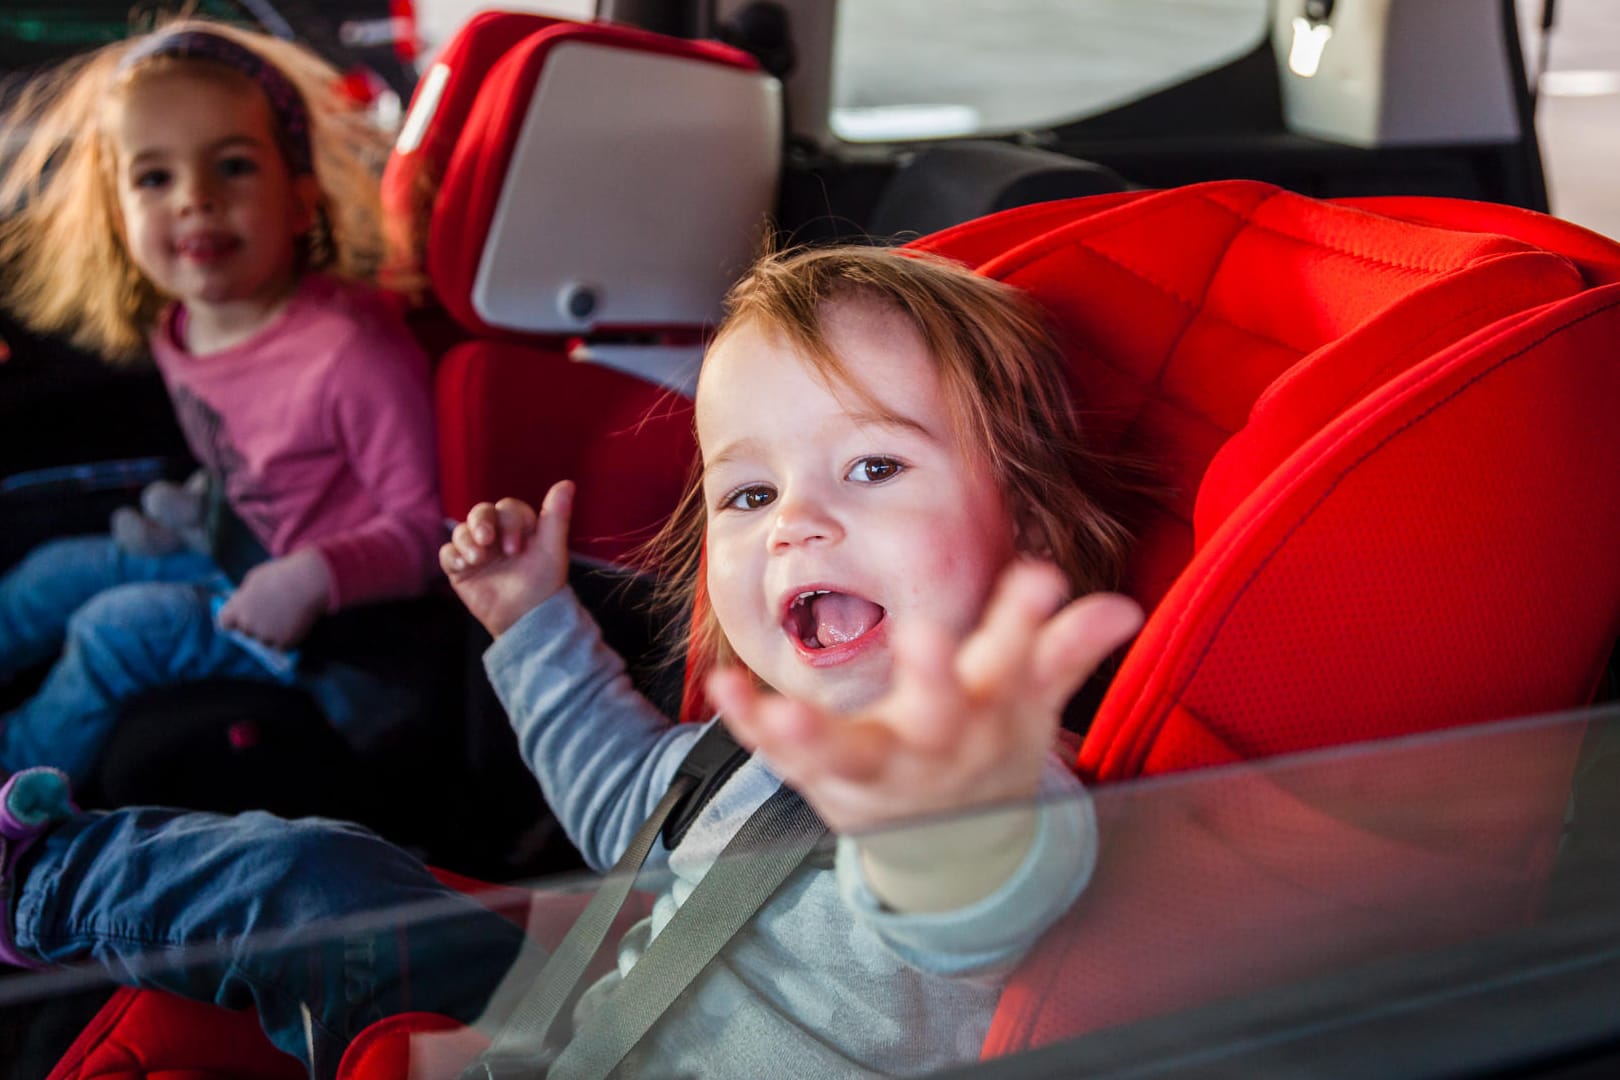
x=825, y=619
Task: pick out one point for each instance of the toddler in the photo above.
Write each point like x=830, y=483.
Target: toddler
x=891, y=532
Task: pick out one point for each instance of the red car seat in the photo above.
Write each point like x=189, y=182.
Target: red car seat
x=1386, y=507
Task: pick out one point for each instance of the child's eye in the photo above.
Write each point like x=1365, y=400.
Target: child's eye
x=237, y=165
x=151, y=178
x=754, y=497
x=875, y=470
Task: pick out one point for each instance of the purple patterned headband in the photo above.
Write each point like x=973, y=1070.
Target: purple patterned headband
x=292, y=116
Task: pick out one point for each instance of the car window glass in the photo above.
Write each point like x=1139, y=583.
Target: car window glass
x=1235, y=912
x=919, y=69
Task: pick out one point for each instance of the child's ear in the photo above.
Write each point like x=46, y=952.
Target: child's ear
x=307, y=197
x=1029, y=535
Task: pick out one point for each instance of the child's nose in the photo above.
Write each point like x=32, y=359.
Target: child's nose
x=197, y=192
x=802, y=520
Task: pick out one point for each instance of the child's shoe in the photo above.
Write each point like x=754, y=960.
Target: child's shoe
x=31, y=801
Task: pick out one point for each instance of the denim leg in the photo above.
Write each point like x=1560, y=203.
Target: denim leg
x=38, y=595
x=307, y=921
x=125, y=640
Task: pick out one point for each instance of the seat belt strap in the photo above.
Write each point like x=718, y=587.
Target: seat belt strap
x=709, y=764
x=770, y=845
x=521, y=1041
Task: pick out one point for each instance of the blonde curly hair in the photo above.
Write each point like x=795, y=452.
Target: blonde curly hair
x=67, y=270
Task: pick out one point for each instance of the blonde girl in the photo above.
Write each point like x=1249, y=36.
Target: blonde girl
x=199, y=193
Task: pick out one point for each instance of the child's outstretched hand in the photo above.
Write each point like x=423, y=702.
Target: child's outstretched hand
x=966, y=722
x=505, y=559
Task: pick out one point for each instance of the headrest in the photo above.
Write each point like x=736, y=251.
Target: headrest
x=1597, y=256
x=1180, y=308
x=444, y=97
x=633, y=214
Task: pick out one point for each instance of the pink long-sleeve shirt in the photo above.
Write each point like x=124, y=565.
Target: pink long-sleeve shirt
x=321, y=426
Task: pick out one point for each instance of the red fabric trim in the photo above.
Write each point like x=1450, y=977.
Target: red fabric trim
x=143, y=1034
x=410, y=180
x=411, y=1046
x=510, y=422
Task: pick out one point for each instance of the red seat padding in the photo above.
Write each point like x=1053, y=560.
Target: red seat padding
x=1182, y=307
x=1440, y=554
x=140, y=1035
x=515, y=418
x=439, y=111
x=1388, y=508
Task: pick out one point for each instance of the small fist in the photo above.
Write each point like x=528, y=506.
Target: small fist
x=506, y=559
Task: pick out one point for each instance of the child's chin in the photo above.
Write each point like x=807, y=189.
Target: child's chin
x=842, y=690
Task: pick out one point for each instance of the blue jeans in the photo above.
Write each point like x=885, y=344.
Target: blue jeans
x=124, y=624
x=308, y=920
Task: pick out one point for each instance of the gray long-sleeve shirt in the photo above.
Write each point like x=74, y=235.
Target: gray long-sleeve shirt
x=824, y=982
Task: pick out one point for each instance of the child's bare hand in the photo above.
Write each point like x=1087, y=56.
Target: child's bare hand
x=965, y=722
x=505, y=559
x=279, y=601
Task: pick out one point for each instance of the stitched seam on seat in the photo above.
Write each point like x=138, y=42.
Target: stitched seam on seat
x=1147, y=732
x=1174, y=404
x=1410, y=347
x=1196, y=306
x=1202, y=306
x=1169, y=354
x=1415, y=347
x=1375, y=260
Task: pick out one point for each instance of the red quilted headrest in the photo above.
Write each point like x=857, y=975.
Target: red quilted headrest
x=1440, y=553
x=1182, y=307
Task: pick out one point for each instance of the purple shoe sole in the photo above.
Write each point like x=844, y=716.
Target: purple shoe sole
x=31, y=801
